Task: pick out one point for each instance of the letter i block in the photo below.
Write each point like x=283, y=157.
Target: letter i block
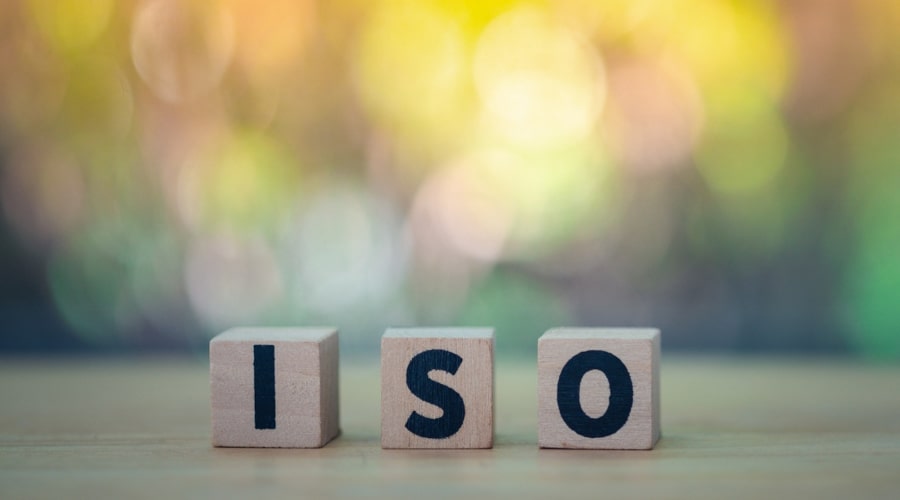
x=274, y=387
x=437, y=388
x=598, y=388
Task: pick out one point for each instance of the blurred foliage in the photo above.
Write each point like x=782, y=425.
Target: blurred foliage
x=725, y=170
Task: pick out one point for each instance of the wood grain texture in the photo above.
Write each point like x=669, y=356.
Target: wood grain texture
x=734, y=427
x=595, y=395
x=305, y=384
x=473, y=382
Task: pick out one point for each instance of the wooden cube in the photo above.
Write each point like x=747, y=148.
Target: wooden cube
x=437, y=388
x=274, y=387
x=598, y=388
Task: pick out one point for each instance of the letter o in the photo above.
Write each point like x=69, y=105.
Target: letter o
x=621, y=394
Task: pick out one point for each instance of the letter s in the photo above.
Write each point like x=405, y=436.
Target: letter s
x=437, y=394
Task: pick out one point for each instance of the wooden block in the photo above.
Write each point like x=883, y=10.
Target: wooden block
x=437, y=388
x=598, y=388
x=274, y=387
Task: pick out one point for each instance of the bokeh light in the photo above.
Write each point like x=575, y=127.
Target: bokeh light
x=181, y=49
x=539, y=85
x=246, y=184
x=416, y=96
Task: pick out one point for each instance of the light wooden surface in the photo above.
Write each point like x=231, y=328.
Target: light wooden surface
x=637, y=349
x=731, y=429
x=304, y=385
x=472, y=382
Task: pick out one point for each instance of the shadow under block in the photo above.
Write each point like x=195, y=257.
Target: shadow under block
x=598, y=388
x=437, y=388
x=274, y=387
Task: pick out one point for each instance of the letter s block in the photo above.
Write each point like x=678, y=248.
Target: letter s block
x=598, y=388
x=437, y=388
x=274, y=387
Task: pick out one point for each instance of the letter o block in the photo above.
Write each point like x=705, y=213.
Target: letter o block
x=598, y=388
x=437, y=388
x=274, y=387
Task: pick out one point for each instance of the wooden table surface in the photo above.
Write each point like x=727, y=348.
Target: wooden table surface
x=731, y=428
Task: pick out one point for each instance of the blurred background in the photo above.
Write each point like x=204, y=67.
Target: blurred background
x=728, y=171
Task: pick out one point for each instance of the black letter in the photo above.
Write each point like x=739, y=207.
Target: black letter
x=621, y=394
x=437, y=394
x=264, y=385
